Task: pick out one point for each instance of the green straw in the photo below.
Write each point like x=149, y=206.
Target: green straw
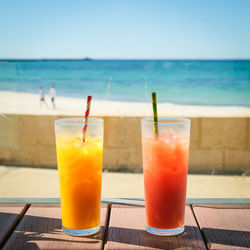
x=154, y=105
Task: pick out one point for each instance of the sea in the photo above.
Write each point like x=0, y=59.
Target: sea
x=193, y=82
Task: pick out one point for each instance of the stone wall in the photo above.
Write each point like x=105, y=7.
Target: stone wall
x=217, y=144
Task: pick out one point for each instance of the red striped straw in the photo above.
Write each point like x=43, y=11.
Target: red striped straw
x=86, y=116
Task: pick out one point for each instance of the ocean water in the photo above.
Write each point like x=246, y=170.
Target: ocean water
x=196, y=82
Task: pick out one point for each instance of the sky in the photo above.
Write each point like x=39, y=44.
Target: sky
x=128, y=29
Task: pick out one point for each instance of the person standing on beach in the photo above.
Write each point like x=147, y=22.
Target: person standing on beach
x=52, y=94
x=42, y=97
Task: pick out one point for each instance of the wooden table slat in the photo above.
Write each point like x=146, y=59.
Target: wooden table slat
x=41, y=226
x=127, y=231
x=224, y=226
x=10, y=214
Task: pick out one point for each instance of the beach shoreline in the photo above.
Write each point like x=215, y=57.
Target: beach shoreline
x=29, y=104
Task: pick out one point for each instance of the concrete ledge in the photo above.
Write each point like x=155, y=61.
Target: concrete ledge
x=217, y=144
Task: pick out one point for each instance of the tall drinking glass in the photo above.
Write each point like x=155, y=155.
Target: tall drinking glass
x=165, y=168
x=80, y=174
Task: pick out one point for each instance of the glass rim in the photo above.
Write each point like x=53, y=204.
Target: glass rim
x=78, y=121
x=166, y=121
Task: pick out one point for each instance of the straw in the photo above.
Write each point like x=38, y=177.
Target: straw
x=155, y=117
x=86, y=116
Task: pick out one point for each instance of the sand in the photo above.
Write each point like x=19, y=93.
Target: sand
x=25, y=103
x=44, y=183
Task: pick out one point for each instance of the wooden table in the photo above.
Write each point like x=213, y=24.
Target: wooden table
x=210, y=224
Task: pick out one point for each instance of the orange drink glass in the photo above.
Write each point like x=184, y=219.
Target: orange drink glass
x=165, y=168
x=80, y=174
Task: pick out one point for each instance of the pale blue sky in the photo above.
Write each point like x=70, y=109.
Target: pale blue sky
x=191, y=29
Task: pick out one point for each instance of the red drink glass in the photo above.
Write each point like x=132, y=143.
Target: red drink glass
x=165, y=168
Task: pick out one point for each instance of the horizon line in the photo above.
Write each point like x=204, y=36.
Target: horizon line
x=138, y=59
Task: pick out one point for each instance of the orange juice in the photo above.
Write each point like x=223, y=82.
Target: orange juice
x=79, y=158
x=80, y=175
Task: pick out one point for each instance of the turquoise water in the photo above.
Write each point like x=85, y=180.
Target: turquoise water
x=219, y=82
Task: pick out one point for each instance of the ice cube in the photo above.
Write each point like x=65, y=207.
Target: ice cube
x=167, y=138
x=78, y=142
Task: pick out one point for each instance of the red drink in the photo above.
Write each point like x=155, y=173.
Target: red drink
x=165, y=167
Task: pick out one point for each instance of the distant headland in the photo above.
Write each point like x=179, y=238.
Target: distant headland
x=45, y=59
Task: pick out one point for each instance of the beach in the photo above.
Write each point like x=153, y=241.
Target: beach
x=29, y=104
x=219, y=140
x=186, y=82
